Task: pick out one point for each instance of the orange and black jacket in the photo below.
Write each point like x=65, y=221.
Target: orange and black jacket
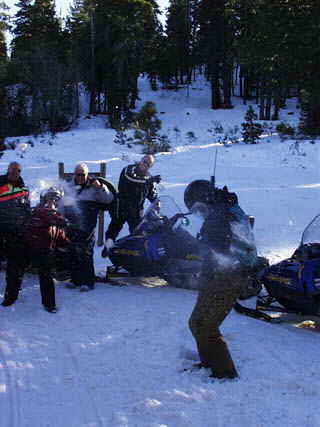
x=14, y=204
x=9, y=191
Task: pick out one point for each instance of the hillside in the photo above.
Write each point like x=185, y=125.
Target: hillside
x=115, y=357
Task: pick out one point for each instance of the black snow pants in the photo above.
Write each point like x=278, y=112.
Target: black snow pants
x=17, y=262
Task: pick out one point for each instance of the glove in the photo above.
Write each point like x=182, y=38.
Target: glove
x=156, y=179
x=107, y=246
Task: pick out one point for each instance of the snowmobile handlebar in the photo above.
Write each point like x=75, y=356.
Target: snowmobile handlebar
x=174, y=218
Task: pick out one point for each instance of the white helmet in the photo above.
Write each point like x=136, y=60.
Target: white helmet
x=52, y=193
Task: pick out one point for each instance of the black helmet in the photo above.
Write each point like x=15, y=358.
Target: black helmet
x=52, y=193
x=224, y=196
x=197, y=191
x=200, y=191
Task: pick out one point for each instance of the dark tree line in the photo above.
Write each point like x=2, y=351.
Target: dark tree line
x=262, y=50
x=266, y=50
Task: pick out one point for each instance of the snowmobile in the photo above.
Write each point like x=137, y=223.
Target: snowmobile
x=292, y=285
x=160, y=246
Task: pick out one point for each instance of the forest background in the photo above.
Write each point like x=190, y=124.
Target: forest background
x=262, y=50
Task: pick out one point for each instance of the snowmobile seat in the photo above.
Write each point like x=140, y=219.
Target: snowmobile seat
x=307, y=251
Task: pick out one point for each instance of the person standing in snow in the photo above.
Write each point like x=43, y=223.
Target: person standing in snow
x=14, y=213
x=85, y=197
x=222, y=278
x=135, y=186
x=44, y=233
x=14, y=198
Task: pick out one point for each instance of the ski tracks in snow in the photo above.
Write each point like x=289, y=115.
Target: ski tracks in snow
x=76, y=368
x=87, y=402
x=10, y=408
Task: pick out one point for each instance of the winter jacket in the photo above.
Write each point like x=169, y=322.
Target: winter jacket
x=216, y=229
x=14, y=205
x=46, y=230
x=4, y=180
x=227, y=231
x=242, y=243
x=134, y=189
x=82, y=204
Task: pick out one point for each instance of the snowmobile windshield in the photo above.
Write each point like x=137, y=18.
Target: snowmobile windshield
x=311, y=233
x=161, y=210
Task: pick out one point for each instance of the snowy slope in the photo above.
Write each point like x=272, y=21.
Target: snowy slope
x=115, y=357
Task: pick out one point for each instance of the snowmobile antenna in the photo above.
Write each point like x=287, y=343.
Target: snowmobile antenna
x=213, y=177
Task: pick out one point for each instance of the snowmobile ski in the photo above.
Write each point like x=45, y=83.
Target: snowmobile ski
x=255, y=313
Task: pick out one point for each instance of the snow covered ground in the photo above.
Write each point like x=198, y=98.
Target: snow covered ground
x=115, y=357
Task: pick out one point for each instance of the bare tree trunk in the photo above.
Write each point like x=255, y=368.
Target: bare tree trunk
x=105, y=102
x=77, y=99
x=215, y=88
x=227, y=104
x=267, y=115
x=92, y=107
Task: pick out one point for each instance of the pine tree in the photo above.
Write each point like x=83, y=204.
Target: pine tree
x=147, y=126
x=120, y=34
x=178, y=40
x=216, y=41
x=3, y=71
x=39, y=52
x=276, y=47
x=310, y=112
x=251, y=130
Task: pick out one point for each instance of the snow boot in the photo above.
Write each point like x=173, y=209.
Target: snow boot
x=51, y=309
x=7, y=302
x=220, y=360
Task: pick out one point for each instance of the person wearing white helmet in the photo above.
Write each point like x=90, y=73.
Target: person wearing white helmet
x=44, y=234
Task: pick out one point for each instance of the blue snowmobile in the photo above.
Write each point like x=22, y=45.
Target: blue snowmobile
x=292, y=285
x=160, y=246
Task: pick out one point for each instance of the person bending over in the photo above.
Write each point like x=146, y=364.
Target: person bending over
x=135, y=186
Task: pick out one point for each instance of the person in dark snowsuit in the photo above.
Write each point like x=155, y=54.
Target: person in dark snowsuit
x=135, y=186
x=14, y=214
x=222, y=278
x=85, y=197
x=14, y=200
x=43, y=234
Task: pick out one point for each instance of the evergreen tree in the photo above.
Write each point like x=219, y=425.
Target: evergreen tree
x=216, y=41
x=276, y=49
x=178, y=39
x=310, y=111
x=39, y=52
x=147, y=123
x=78, y=26
x=115, y=37
x=251, y=130
x=147, y=127
x=3, y=70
